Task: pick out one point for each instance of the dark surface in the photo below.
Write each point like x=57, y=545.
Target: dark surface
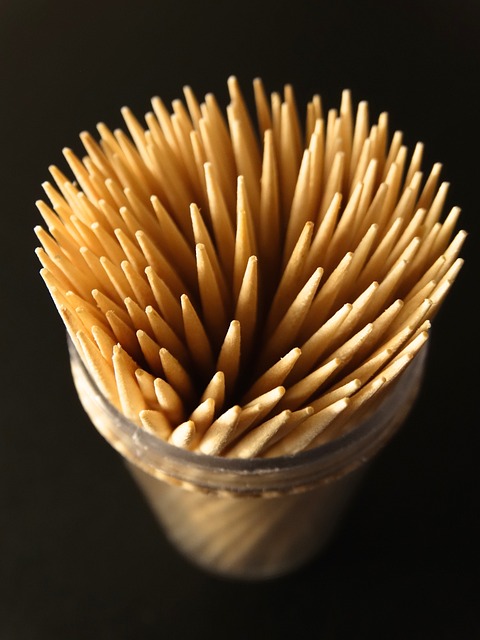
x=81, y=557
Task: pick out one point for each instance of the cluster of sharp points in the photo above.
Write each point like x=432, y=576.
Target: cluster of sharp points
x=247, y=286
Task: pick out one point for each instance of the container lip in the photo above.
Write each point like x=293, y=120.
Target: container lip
x=328, y=460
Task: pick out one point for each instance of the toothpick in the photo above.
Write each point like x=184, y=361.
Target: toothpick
x=190, y=254
x=219, y=433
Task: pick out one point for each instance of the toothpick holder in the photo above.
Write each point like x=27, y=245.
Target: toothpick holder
x=255, y=518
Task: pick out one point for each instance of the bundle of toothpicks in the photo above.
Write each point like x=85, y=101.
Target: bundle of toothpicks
x=247, y=287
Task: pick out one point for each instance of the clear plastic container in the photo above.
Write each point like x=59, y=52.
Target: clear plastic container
x=254, y=518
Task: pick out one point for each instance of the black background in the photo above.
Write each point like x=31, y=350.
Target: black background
x=80, y=555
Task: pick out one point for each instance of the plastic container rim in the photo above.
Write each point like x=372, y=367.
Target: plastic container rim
x=325, y=462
